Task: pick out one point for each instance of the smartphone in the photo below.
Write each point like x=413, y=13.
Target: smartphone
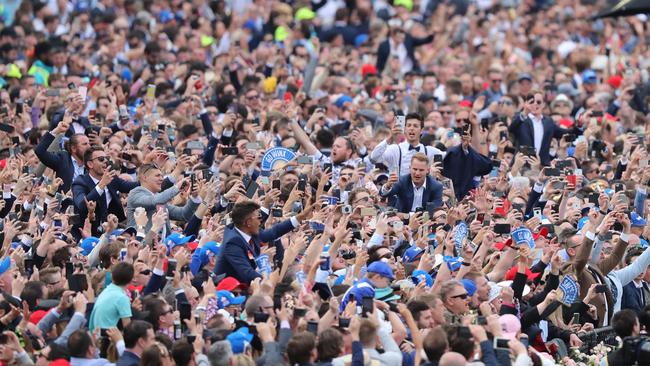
x=537, y=212
x=276, y=212
x=502, y=228
x=401, y=121
x=597, y=113
x=276, y=184
x=312, y=327
x=69, y=270
x=552, y=172
x=481, y=320
x=171, y=268
x=302, y=184
x=7, y=128
x=576, y=318
x=600, y=289
x=528, y=150
x=299, y=312
x=480, y=217
x=437, y=158
x=259, y=317
x=185, y=311
x=368, y=211
x=103, y=332
x=52, y=93
x=151, y=91
x=344, y=322
x=252, y=188
x=501, y=343
x=230, y=151
x=327, y=167
x=569, y=137
x=77, y=282
x=194, y=145
x=252, y=146
x=367, y=306
x=305, y=159
x=559, y=184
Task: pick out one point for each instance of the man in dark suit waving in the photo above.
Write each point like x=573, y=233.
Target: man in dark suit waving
x=100, y=185
x=531, y=128
x=416, y=189
x=243, y=239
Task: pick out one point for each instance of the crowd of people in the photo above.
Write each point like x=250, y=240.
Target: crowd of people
x=325, y=182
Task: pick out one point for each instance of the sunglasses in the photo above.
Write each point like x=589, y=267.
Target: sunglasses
x=101, y=158
x=146, y=272
x=445, y=112
x=506, y=102
x=497, y=80
x=461, y=296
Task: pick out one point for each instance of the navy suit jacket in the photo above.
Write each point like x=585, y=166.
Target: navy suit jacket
x=631, y=298
x=403, y=193
x=237, y=257
x=410, y=42
x=128, y=358
x=461, y=168
x=84, y=187
x=522, y=130
x=60, y=161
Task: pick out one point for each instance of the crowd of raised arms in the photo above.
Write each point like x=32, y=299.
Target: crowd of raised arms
x=324, y=182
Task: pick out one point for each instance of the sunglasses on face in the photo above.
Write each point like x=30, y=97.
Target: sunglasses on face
x=461, y=296
x=146, y=272
x=506, y=102
x=101, y=158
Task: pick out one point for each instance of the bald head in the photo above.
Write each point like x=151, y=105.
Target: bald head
x=452, y=359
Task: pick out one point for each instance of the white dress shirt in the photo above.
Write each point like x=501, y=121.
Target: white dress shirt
x=78, y=169
x=417, y=195
x=401, y=53
x=101, y=191
x=538, y=131
x=389, y=155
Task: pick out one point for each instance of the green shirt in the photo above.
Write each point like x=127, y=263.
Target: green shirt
x=112, y=305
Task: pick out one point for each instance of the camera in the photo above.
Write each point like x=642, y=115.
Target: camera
x=346, y=210
x=635, y=350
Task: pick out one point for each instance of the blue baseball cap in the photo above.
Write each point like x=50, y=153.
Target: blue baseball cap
x=382, y=269
x=129, y=230
x=340, y=102
x=420, y=275
x=226, y=298
x=209, y=249
x=5, y=264
x=469, y=285
x=412, y=253
x=176, y=239
x=239, y=340
x=589, y=77
x=88, y=244
x=637, y=220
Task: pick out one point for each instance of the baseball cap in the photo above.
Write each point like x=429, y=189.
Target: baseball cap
x=495, y=291
x=510, y=326
x=562, y=98
x=239, y=340
x=407, y=4
x=226, y=298
x=504, y=284
x=524, y=76
x=510, y=275
x=176, y=239
x=229, y=284
x=304, y=13
x=129, y=230
x=386, y=294
x=59, y=362
x=615, y=81
x=5, y=264
x=210, y=248
x=368, y=69
x=382, y=269
x=420, y=275
x=637, y=220
x=340, y=101
x=541, y=233
x=589, y=77
x=88, y=244
x=469, y=285
x=412, y=253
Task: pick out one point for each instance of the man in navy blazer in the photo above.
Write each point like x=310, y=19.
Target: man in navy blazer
x=403, y=46
x=242, y=240
x=102, y=186
x=531, y=128
x=416, y=189
x=66, y=165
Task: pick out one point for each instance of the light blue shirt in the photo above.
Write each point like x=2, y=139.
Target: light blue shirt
x=112, y=305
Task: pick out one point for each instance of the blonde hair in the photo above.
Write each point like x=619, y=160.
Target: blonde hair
x=242, y=360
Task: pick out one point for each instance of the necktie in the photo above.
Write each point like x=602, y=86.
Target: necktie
x=416, y=148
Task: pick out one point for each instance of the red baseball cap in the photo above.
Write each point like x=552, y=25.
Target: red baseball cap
x=501, y=245
x=512, y=272
x=368, y=69
x=229, y=284
x=542, y=232
x=59, y=362
x=615, y=81
x=566, y=123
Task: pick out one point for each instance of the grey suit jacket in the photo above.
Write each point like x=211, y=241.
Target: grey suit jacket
x=142, y=197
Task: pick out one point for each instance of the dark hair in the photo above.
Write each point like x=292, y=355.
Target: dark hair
x=122, y=274
x=299, y=348
x=325, y=138
x=182, y=353
x=644, y=318
x=435, y=344
x=416, y=308
x=135, y=330
x=155, y=307
x=242, y=210
x=74, y=139
x=623, y=322
x=634, y=252
x=415, y=116
x=151, y=356
x=462, y=345
x=32, y=292
x=88, y=155
x=329, y=346
x=79, y=343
